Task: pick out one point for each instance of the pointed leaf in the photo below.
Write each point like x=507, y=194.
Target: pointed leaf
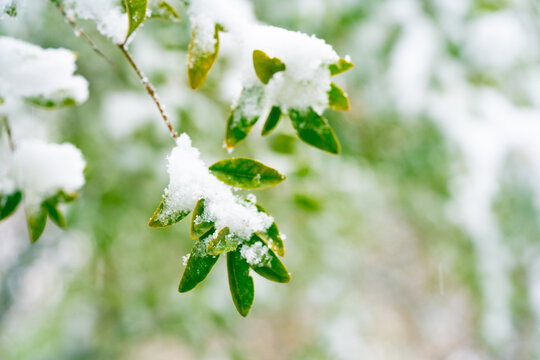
x=198, y=265
x=165, y=11
x=272, y=236
x=136, y=11
x=8, y=204
x=36, y=218
x=164, y=217
x=265, y=66
x=337, y=99
x=55, y=214
x=200, y=60
x=272, y=120
x=341, y=66
x=244, y=173
x=270, y=267
x=199, y=225
x=244, y=115
x=222, y=243
x=240, y=282
x=314, y=130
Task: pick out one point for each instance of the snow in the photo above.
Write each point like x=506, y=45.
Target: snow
x=40, y=169
x=190, y=180
x=111, y=19
x=26, y=70
x=254, y=254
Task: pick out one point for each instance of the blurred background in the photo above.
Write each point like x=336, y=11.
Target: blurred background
x=420, y=241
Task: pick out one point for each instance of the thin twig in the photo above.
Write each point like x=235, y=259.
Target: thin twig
x=80, y=32
x=150, y=89
x=11, y=143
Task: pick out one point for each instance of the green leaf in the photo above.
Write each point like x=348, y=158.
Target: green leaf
x=199, y=226
x=244, y=115
x=272, y=120
x=341, y=66
x=272, y=237
x=265, y=66
x=164, y=217
x=222, y=243
x=314, y=130
x=198, y=265
x=136, y=11
x=337, y=99
x=244, y=173
x=270, y=266
x=55, y=214
x=36, y=218
x=57, y=100
x=240, y=282
x=164, y=11
x=8, y=204
x=200, y=61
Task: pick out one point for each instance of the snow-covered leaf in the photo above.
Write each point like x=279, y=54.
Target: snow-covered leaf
x=222, y=243
x=240, y=282
x=200, y=60
x=244, y=115
x=265, y=66
x=165, y=11
x=272, y=236
x=198, y=265
x=341, y=66
x=337, y=99
x=199, y=225
x=270, y=267
x=272, y=120
x=136, y=11
x=8, y=204
x=245, y=173
x=164, y=217
x=36, y=218
x=314, y=130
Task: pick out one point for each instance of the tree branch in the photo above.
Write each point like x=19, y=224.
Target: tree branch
x=150, y=89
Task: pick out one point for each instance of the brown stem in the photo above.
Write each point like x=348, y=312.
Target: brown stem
x=80, y=32
x=150, y=89
x=8, y=133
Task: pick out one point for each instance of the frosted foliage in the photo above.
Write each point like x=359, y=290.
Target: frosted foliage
x=110, y=17
x=26, y=70
x=306, y=79
x=40, y=170
x=190, y=180
x=7, y=6
x=255, y=254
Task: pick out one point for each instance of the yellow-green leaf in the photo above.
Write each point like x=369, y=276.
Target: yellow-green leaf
x=341, y=66
x=165, y=11
x=272, y=120
x=198, y=265
x=240, y=282
x=200, y=61
x=265, y=66
x=199, y=224
x=337, y=99
x=8, y=204
x=222, y=243
x=246, y=173
x=164, y=217
x=314, y=130
x=55, y=214
x=36, y=218
x=136, y=11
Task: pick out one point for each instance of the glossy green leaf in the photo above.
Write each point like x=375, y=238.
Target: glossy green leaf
x=200, y=61
x=164, y=217
x=36, y=218
x=198, y=265
x=265, y=66
x=337, y=99
x=314, y=130
x=223, y=242
x=244, y=115
x=270, y=266
x=164, y=11
x=244, y=173
x=55, y=214
x=240, y=282
x=8, y=204
x=272, y=120
x=341, y=66
x=272, y=237
x=136, y=11
x=199, y=226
